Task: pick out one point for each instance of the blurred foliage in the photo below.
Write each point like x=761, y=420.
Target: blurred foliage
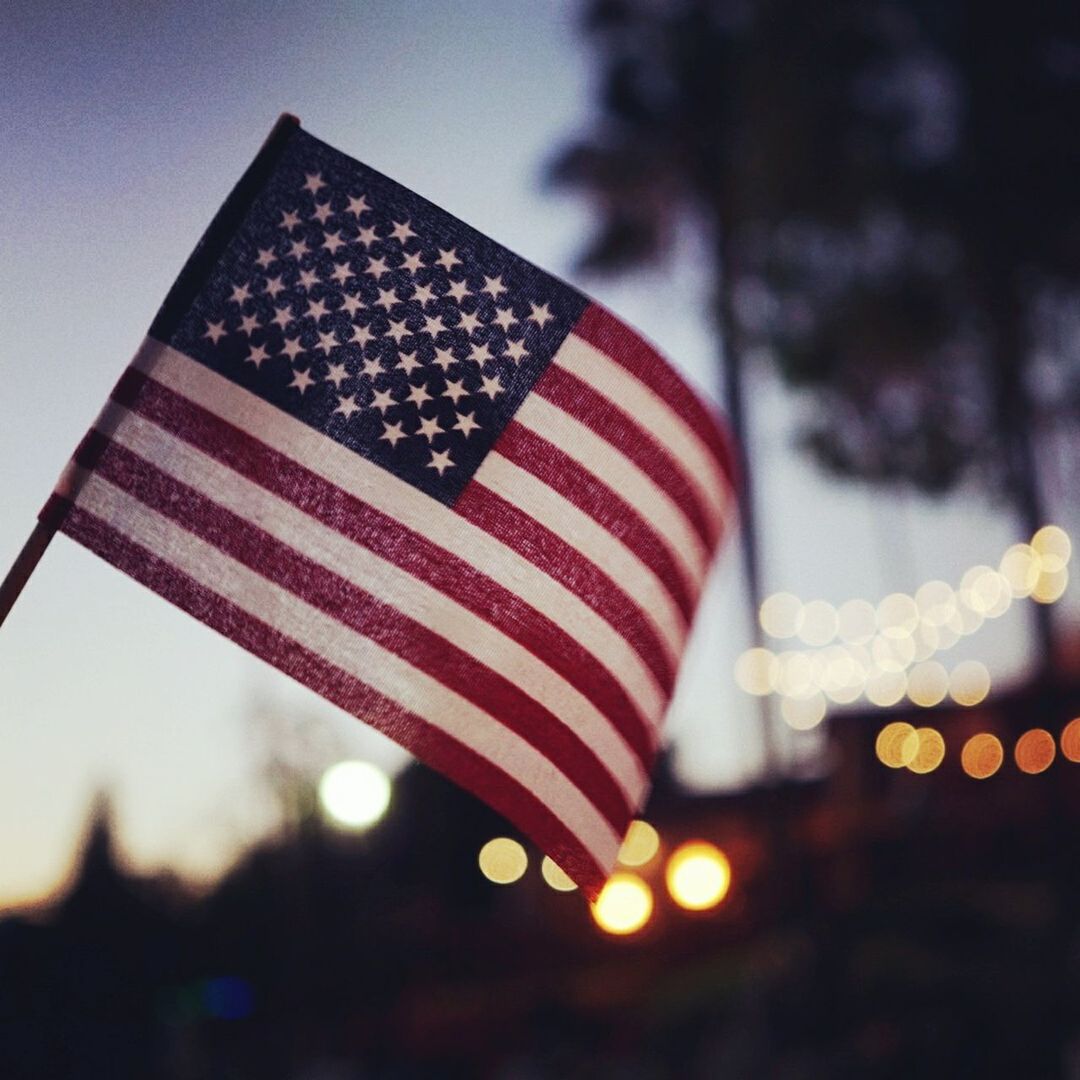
x=887, y=189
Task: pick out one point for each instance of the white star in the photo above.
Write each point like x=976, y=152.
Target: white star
x=257, y=355
x=440, y=459
x=423, y=294
x=469, y=321
x=491, y=386
x=480, y=354
x=448, y=258
x=466, y=424
x=313, y=182
x=458, y=290
x=372, y=367
x=327, y=342
x=429, y=427
x=418, y=394
x=248, y=323
x=298, y=248
x=240, y=293
x=516, y=350
x=392, y=433
x=455, y=390
x=376, y=267
x=387, y=298
x=504, y=317
x=361, y=335
x=215, y=331
x=301, y=380
x=322, y=212
x=282, y=317
x=412, y=262
x=266, y=257
x=408, y=363
x=351, y=304
x=332, y=241
x=493, y=285
x=540, y=314
x=347, y=405
x=382, y=400
x=398, y=330
x=289, y=219
x=341, y=274
x=274, y=285
x=401, y=231
x=433, y=324
x=317, y=309
x=292, y=348
x=336, y=374
x=358, y=204
x=444, y=358
x=308, y=278
x=367, y=236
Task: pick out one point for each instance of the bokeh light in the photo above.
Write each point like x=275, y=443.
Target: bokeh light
x=897, y=615
x=780, y=615
x=928, y=683
x=1034, y=751
x=1051, y=586
x=640, y=844
x=1020, y=566
x=624, y=905
x=856, y=621
x=885, y=688
x=930, y=751
x=802, y=714
x=982, y=755
x=969, y=683
x=936, y=602
x=354, y=794
x=897, y=744
x=757, y=671
x=819, y=623
x=1070, y=740
x=555, y=876
x=1053, y=547
x=698, y=875
x=503, y=860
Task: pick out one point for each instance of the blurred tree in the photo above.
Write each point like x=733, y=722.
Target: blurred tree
x=888, y=192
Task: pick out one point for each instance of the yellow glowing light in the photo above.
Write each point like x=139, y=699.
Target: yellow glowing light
x=969, y=683
x=930, y=752
x=1020, y=566
x=756, y=671
x=781, y=615
x=819, y=623
x=1034, y=751
x=897, y=615
x=936, y=602
x=982, y=755
x=897, y=744
x=354, y=794
x=803, y=713
x=555, y=876
x=981, y=588
x=856, y=621
x=1053, y=547
x=624, y=905
x=796, y=677
x=698, y=876
x=928, y=683
x=1070, y=740
x=503, y=860
x=641, y=843
x=885, y=688
x=1051, y=586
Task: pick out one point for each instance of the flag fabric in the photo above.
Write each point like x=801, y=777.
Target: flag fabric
x=431, y=482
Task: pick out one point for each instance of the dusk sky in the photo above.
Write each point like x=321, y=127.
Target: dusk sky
x=124, y=127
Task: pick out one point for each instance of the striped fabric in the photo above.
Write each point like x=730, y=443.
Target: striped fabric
x=520, y=629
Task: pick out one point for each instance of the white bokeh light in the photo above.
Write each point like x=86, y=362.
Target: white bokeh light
x=354, y=794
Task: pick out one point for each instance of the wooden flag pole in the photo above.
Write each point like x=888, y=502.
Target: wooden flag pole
x=24, y=565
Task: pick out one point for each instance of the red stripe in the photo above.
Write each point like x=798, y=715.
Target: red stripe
x=626, y=347
x=567, y=565
x=500, y=790
x=394, y=542
x=588, y=493
x=607, y=420
x=381, y=622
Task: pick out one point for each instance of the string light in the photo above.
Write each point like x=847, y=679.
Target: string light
x=982, y=755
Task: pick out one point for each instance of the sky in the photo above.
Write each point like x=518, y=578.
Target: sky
x=124, y=126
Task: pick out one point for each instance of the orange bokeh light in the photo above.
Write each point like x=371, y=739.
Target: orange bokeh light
x=1070, y=740
x=982, y=755
x=1035, y=751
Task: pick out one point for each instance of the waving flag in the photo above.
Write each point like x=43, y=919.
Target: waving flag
x=424, y=478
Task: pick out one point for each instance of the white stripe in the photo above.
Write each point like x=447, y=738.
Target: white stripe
x=356, y=655
x=687, y=450
x=614, y=468
x=411, y=508
x=429, y=606
x=590, y=539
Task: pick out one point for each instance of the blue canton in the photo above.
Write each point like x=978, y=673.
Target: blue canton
x=378, y=319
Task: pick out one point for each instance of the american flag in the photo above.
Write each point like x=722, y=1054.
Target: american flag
x=431, y=482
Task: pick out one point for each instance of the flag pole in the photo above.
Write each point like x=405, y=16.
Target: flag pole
x=24, y=565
